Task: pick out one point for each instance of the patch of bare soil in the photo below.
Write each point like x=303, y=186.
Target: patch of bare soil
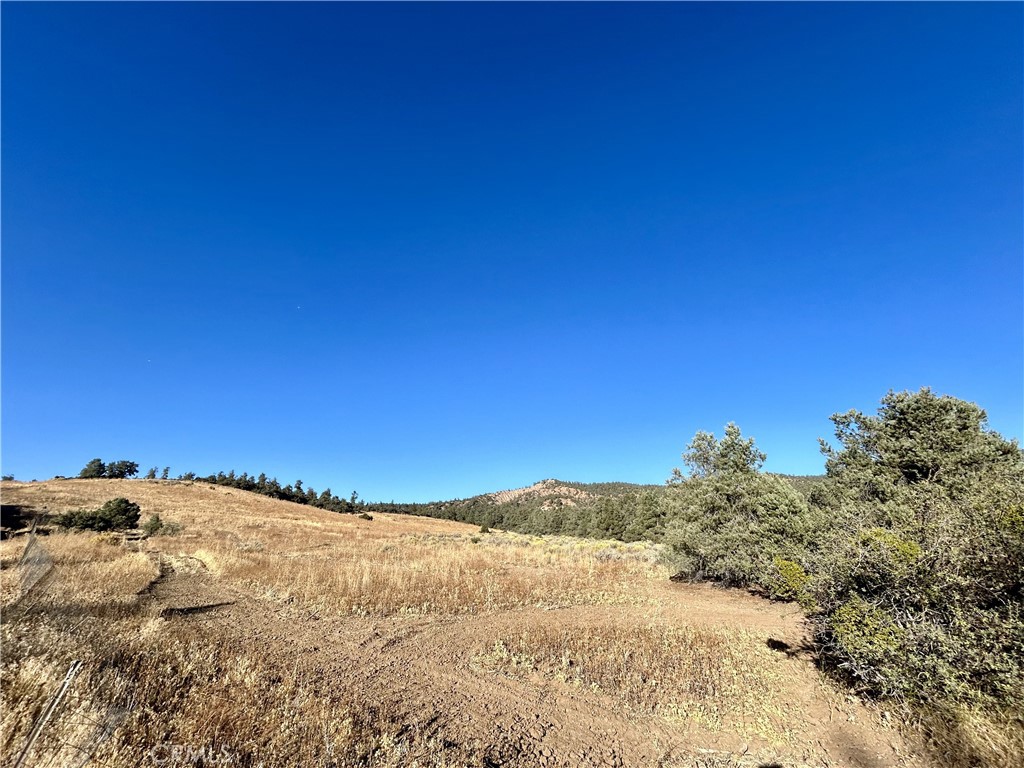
x=424, y=672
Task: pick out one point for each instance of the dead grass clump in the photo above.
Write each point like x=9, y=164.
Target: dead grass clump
x=143, y=697
x=89, y=569
x=712, y=675
x=639, y=552
x=153, y=690
x=383, y=576
x=959, y=737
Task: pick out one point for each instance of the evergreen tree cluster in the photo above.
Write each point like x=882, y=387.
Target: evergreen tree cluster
x=272, y=488
x=117, y=470
x=244, y=482
x=908, y=555
x=626, y=512
x=918, y=584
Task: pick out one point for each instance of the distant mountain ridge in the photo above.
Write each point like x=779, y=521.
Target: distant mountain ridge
x=628, y=511
x=570, y=493
x=574, y=493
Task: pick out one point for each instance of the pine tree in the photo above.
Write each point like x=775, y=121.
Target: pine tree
x=122, y=469
x=95, y=468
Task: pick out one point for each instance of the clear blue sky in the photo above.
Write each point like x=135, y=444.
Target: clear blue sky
x=428, y=251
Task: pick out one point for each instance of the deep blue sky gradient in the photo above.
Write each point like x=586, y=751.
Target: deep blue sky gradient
x=427, y=251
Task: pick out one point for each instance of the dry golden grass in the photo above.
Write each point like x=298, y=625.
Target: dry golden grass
x=161, y=688
x=715, y=676
x=393, y=564
x=963, y=738
x=181, y=687
x=89, y=569
x=167, y=682
x=383, y=574
x=149, y=686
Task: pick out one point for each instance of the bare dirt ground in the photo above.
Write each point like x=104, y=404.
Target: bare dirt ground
x=422, y=670
x=445, y=679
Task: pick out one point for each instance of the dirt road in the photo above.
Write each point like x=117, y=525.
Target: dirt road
x=427, y=675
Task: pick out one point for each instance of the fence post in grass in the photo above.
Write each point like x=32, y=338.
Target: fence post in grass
x=58, y=697
x=35, y=563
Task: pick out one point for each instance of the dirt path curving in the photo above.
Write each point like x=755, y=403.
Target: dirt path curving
x=425, y=672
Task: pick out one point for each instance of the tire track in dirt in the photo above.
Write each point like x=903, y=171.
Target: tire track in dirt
x=420, y=670
x=529, y=722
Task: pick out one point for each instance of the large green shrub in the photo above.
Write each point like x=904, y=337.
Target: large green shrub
x=788, y=580
x=116, y=514
x=730, y=523
x=154, y=526
x=909, y=556
x=919, y=587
